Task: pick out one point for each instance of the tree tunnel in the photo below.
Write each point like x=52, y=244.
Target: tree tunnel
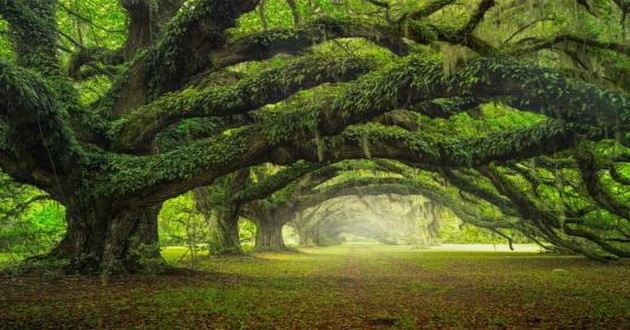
x=509, y=127
x=385, y=218
x=299, y=194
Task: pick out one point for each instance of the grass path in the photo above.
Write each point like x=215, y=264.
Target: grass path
x=347, y=287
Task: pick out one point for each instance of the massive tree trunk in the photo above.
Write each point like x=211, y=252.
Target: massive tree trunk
x=222, y=211
x=102, y=238
x=225, y=230
x=269, y=236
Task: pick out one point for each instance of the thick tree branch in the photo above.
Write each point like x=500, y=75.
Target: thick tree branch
x=34, y=33
x=99, y=60
x=477, y=17
x=589, y=170
x=410, y=82
x=423, y=148
x=179, y=53
x=529, y=45
x=270, y=86
x=35, y=130
x=265, y=44
x=209, y=160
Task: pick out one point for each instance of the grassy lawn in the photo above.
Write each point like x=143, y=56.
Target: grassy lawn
x=352, y=287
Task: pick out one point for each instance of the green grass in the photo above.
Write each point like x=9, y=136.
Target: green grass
x=8, y=259
x=354, y=286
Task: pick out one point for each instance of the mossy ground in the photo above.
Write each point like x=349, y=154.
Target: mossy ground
x=350, y=287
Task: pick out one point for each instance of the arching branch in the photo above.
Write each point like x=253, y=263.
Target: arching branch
x=273, y=85
x=422, y=148
x=410, y=82
x=265, y=44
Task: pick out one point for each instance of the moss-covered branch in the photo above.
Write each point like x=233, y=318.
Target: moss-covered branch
x=182, y=49
x=33, y=33
x=179, y=53
x=269, y=86
x=413, y=81
x=422, y=148
x=589, y=171
x=272, y=183
x=88, y=62
x=35, y=128
x=265, y=44
x=410, y=82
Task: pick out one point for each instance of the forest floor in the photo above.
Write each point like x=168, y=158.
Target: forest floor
x=346, y=287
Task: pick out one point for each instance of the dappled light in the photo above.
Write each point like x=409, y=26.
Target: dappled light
x=306, y=164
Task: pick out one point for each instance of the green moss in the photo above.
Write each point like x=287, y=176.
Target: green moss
x=29, y=102
x=34, y=34
x=268, y=86
x=124, y=174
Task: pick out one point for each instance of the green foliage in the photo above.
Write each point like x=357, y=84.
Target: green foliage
x=29, y=223
x=453, y=230
x=180, y=222
x=5, y=44
x=505, y=95
x=247, y=233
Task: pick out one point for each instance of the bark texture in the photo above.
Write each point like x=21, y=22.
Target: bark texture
x=103, y=238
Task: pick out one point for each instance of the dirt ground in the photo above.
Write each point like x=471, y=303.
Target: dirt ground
x=347, y=287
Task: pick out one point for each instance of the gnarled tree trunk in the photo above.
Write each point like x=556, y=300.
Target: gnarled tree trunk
x=103, y=238
x=225, y=231
x=218, y=206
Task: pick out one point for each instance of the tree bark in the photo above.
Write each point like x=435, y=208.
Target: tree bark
x=222, y=211
x=103, y=239
x=225, y=231
x=269, y=236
